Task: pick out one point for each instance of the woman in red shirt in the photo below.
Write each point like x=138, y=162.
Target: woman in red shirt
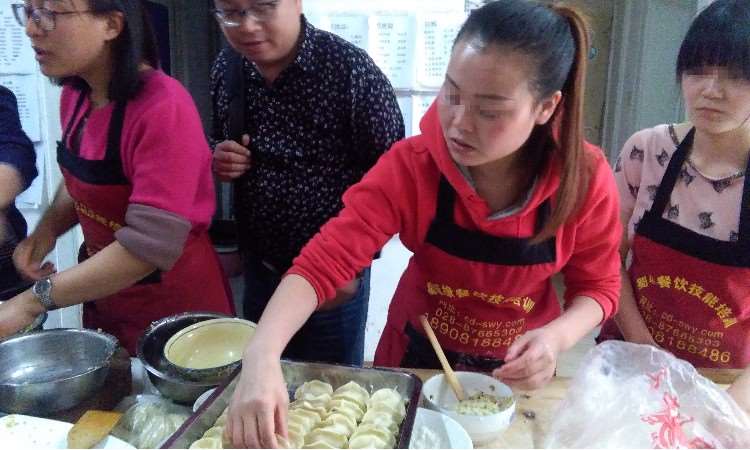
x=137, y=178
x=492, y=201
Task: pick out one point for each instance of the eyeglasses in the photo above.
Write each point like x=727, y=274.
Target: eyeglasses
x=262, y=12
x=42, y=17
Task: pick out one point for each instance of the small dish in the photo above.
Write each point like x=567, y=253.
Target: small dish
x=482, y=429
x=433, y=429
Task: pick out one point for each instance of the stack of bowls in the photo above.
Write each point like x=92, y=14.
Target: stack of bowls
x=54, y=370
x=190, y=353
x=209, y=350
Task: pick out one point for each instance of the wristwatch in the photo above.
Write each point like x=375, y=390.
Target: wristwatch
x=41, y=291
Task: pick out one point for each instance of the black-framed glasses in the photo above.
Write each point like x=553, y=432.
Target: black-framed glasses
x=261, y=11
x=43, y=18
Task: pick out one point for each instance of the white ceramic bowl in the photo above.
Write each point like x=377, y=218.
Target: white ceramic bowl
x=482, y=429
x=209, y=344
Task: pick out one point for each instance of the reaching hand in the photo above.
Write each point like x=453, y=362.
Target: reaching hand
x=259, y=405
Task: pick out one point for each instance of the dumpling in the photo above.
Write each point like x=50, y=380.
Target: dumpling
x=207, y=443
x=320, y=408
x=283, y=442
x=398, y=412
x=323, y=438
x=294, y=441
x=370, y=436
x=353, y=392
x=313, y=388
x=214, y=432
x=347, y=408
x=388, y=397
x=302, y=420
x=381, y=420
x=339, y=423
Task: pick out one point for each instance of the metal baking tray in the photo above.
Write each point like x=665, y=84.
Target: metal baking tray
x=296, y=373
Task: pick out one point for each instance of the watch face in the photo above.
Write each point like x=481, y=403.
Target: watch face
x=42, y=286
x=41, y=290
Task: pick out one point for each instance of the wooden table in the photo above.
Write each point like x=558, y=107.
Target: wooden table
x=534, y=409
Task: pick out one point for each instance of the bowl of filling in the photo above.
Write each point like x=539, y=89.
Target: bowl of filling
x=485, y=413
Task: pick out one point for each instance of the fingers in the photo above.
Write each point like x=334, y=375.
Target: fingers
x=266, y=429
x=245, y=140
x=281, y=421
x=236, y=430
x=250, y=435
x=231, y=160
x=29, y=266
x=531, y=366
x=232, y=147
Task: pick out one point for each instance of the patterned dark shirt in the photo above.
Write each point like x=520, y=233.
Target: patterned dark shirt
x=314, y=132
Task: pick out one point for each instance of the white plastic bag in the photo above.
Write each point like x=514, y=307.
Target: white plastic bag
x=627, y=395
x=148, y=420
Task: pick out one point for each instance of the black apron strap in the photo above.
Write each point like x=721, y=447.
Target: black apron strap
x=446, y=201
x=474, y=245
x=114, y=133
x=69, y=127
x=744, y=230
x=668, y=181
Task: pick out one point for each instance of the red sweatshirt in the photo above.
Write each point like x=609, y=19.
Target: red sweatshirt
x=399, y=195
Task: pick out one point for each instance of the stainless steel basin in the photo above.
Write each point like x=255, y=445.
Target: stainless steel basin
x=53, y=370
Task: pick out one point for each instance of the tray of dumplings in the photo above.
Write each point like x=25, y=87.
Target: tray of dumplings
x=331, y=406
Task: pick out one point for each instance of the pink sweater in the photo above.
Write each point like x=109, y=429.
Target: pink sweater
x=165, y=157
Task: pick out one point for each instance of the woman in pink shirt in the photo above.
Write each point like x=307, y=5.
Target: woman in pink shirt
x=686, y=205
x=137, y=178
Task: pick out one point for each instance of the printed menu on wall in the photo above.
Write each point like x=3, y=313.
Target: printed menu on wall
x=392, y=39
x=352, y=27
x=27, y=95
x=436, y=33
x=16, y=55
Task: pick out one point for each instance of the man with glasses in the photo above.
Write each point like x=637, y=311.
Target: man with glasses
x=299, y=116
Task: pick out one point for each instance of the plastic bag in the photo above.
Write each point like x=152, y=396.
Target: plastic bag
x=149, y=420
x=636, y=396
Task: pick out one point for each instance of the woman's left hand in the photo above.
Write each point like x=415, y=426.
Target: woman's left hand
x=18, y=313
x=531, y=360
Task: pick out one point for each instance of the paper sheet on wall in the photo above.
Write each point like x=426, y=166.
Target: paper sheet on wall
x=319, y=21
x=16, y=55
x=404, y=103
x=420, y=105
x=27, y=96
x=352, y=27
x=435, y=35
x=392, y=44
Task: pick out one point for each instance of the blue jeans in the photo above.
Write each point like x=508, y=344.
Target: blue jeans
x=332, y=336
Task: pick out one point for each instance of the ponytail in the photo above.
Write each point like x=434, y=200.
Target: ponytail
x=568, y=121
